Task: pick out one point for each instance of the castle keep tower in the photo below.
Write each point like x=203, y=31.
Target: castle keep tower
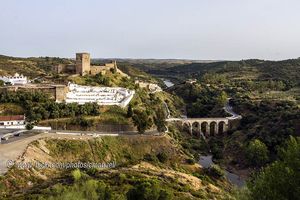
x=83, y=63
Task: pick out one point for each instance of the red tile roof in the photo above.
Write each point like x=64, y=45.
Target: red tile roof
x=12, y=117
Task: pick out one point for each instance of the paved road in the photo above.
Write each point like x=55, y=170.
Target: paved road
x=5, y=131
x=14, y=148
x=228, y=108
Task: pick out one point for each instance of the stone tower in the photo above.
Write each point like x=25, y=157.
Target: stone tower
x=115, y=66
x=83, y=63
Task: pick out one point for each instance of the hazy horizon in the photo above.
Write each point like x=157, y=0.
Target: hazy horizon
x=137, y=29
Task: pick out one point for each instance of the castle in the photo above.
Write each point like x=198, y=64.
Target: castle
x=83, y=66
x=75, y=93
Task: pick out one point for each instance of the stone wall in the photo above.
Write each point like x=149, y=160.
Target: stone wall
x=60, y=93
x=102, y=69
x=83, y=63
x=97, y=69
x=63, y=68
x=56, y=92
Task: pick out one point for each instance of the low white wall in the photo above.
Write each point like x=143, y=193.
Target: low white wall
x=24, y=127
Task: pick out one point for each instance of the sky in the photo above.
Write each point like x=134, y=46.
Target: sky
x=178, y=29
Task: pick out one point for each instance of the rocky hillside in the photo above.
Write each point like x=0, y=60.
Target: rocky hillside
x=153, y=164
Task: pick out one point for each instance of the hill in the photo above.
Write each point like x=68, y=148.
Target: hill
x=155, y=165
x=30, y=67
x=244, y=69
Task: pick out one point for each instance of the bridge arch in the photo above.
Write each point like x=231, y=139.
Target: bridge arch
x=213, y=126
x=187, y=126
x=196, y=128
x=204, y=128
x=222, y=127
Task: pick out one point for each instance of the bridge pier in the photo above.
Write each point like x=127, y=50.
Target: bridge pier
x=225, y=128
x=200, y=131
x=208, y=129
x=216, y=129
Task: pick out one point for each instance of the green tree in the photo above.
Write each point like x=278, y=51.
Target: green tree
x=160, y=119
x=216, y=171
x=142, y=120
x=148, y=191
x=129, y=111
x=222, y=98
x=281, y=179
x=29, y=126
x=257, y=153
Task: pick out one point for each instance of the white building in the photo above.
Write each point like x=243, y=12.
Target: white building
x=152, y=87
x=12, y=120
x=101, y=95
x=15, y=79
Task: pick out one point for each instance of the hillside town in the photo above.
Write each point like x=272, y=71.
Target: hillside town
x=150, y=100
x=71, y=93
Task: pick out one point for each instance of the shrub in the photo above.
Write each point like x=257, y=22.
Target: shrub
x=150, y=158
x=148, y=191
x=215, y=170
x=76, y=174
x=281, y=179
x=29, y=126
x=121, y=178
x=257, y=153
x=190, y=161
x=162, y=157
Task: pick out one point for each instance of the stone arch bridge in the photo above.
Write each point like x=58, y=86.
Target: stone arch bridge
x=204, y=126
x=210, y=126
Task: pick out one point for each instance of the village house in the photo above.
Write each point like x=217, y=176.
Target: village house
x=12, y=120
x=15, y=79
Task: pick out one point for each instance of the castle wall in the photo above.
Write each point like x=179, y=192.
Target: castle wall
x=56, y=92
x=62, y=68
x=97, y=69
x=102, y=69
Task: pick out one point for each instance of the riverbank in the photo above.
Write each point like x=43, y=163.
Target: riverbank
x=232, y=175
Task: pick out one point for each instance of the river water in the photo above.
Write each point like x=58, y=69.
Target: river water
x=206, y=162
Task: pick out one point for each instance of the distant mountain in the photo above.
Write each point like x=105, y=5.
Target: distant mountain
x=288, y=70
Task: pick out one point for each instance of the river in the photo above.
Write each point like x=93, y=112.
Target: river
x=206, y=162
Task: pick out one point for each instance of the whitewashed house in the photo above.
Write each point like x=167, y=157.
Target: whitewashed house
x=12, y=120
x=16, y=79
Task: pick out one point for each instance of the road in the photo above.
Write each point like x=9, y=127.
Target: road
x=13, y=148
x=228, y=108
